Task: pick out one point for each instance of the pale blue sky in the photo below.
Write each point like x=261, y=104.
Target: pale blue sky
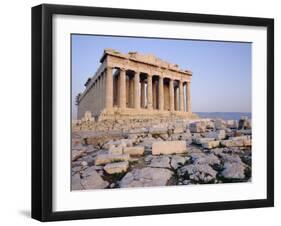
x=221, y=80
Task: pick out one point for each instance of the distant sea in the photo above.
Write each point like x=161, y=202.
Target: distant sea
x=224, y=115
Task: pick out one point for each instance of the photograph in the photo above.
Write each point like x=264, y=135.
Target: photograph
x=152, y=111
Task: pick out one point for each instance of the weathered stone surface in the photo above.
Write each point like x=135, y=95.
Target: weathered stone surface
x=168, y=147
x=100, y=140
x=76, y=154
x=157, y=130
x=237, y=141
x=116, y=150
x=148, y=158
x=94, y=181
x=245, y=124
x=139, y=130
x=146, y=177
x=202, y=140
x=240, y=138
x=197, y=127
x=232, y=143
x=116, y=167
x=147, y=142
x=211, y=144
x=76, y=182
x=88, y=171
x=164, y=136
x=185, y=136
x=103, y=159
x=231, y=158
x=201, y=158
x=233, y=170
x=177, y=161
x=198, y=172
x=178, y=130
x=137, y=150
x=220, y=124
x=210, y=124
x=125, y=143
x=84, y=163
x=160, y=162
x=244, y=132
x=232, y=124
x=217, y=151
x=248, y=142
x=218, y=135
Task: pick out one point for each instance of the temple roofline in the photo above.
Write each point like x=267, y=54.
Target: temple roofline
x=144, y=58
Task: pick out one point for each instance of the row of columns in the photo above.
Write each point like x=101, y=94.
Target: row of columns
x=139, y=100
x=98, y=90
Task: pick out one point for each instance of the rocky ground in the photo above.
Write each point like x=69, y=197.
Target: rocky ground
x=136, y=153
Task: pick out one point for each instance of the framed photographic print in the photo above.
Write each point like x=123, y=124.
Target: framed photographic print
x=145, y=112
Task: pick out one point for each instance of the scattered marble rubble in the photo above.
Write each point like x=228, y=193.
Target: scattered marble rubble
x=159, y=153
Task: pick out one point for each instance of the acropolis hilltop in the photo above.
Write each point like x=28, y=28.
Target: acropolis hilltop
x=134, y=85
x=135, y=128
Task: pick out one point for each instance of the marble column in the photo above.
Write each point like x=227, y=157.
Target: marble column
x=161, y=94
x=109, y=88
x=142, y=94
x=95, y=95
x=149, y=92
x=154, y=95
x=171, y=87
x=181, y=96
x=98, y=94
x=188, y=98
x=122, y=89
x=131, y=92
x=176, y=98
x=137, y=90
x=102, y=91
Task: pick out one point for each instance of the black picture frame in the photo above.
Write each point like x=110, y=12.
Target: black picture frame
x=42, y=111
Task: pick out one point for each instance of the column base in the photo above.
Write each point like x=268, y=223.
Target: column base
x=131, y=113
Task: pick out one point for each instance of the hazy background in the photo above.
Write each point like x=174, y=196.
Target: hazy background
x=221, y=80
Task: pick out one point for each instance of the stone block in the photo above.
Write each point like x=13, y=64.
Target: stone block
x=211, y=144
x=137, y=150
x=220, y=124
x=197, y=127
x=76, y=154
x=115, y=150
x=232, y=124
x=218, y=135
x=239, y=141
x=232, y=143
x=103, y=159
x=178, y=130
x=116, y=167
x=202, y=140
x=168, y=147
x=94, y=181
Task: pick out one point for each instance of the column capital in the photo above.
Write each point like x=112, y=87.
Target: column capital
x=149, y=76
x=122, y=69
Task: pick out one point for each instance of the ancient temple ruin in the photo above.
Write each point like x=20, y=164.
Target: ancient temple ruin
x=135, y=85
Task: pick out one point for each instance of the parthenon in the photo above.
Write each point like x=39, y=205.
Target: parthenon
x=135, y=85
